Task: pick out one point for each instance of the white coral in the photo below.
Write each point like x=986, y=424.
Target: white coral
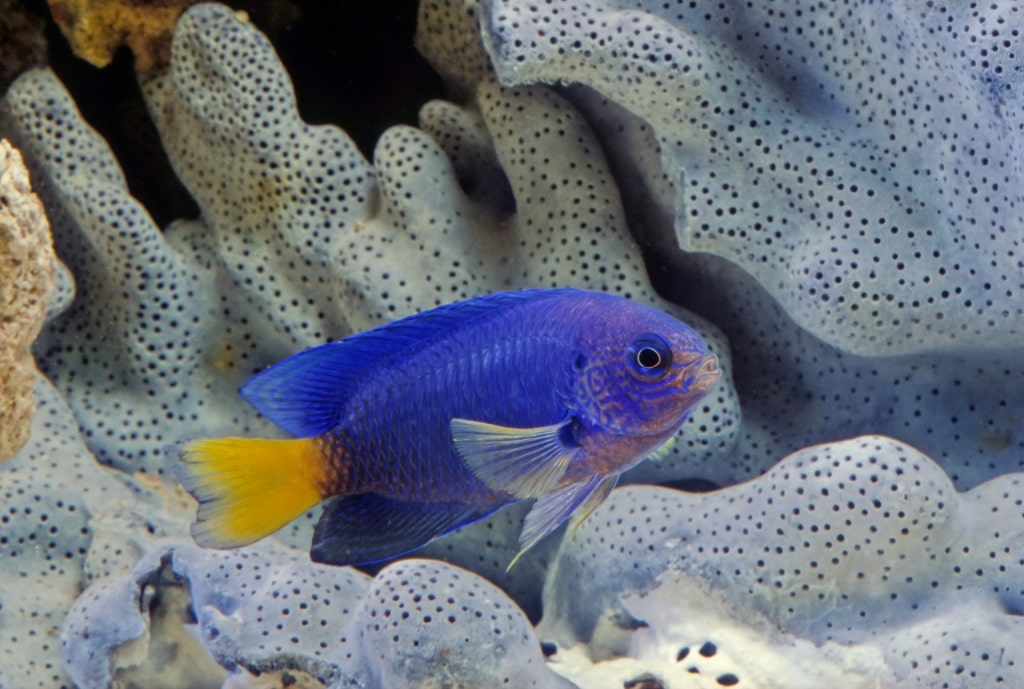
x=856, y=555
x=861, y=161
x=301, y=239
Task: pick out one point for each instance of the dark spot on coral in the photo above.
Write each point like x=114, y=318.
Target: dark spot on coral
x=644, y=681
x=708, y=649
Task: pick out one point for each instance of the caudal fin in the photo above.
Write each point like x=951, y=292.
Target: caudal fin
x=249, y=488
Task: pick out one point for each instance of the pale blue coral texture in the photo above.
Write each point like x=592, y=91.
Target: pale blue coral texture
x=836, y=189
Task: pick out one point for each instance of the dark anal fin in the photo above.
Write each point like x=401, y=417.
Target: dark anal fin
x=363, y=529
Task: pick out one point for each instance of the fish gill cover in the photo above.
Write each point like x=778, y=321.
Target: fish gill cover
x=864, y=560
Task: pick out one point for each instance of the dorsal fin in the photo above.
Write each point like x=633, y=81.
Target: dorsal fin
x=306, y=393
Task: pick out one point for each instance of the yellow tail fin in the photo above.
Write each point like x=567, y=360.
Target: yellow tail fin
x=249, y=488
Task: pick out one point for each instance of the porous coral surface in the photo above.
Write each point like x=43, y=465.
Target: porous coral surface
x=312, y=244
x=308, y=242
x=957, y=406
x=825, y=561
x=259, y=609
x=857, y=563
x=54, y=495
x=862, y=162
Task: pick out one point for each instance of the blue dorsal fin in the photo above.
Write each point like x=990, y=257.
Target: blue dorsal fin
x=306, y=393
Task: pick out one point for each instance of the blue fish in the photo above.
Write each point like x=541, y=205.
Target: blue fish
x=419, y=427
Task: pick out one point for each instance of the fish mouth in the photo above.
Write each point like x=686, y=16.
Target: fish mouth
x=702, y=375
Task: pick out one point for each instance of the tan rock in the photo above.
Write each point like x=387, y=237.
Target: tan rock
x=97, y=28
x=27, y=265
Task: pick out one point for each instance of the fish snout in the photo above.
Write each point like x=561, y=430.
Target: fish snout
x=701, y=375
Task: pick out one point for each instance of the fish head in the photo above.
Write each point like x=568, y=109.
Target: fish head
x=642, y=372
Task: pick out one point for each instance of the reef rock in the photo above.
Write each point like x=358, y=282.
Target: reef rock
x=264, y=609
x=860, y=563
x=97, y=28
x=862, y=162
x=27, y=265
x=856, y=564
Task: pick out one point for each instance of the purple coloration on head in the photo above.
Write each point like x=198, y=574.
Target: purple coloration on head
x=644, y=371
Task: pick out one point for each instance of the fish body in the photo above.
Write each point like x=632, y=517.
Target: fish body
x=422, y=426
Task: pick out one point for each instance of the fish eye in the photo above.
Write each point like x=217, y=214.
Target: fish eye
x=649, y=357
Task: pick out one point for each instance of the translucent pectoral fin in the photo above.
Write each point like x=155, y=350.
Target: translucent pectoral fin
x=524, y=462
x=554, y=508
x=663, y=450
x=592, y=501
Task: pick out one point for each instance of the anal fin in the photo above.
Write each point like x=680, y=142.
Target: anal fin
x=367, y=528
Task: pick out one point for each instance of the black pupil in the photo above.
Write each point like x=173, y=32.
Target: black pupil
x=648, y=358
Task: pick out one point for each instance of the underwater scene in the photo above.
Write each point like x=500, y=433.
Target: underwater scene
x=616, y=344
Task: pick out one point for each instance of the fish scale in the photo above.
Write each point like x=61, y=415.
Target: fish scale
x=440, y=386
x=419, y=427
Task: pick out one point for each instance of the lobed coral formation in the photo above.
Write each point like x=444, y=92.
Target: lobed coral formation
x=283, y=260
x=427, y=624
x=53, y=538
x=856, y=563
x=862, y=163
x=267, y=611
x=687, y=584
x=27, y=268
x=303, y=253
x=261, y=609
x=956, y=406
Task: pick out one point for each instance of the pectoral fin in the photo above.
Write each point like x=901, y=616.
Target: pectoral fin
x=592, y=501
x=663, y=450
x=555, y=507
x=524, y=462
